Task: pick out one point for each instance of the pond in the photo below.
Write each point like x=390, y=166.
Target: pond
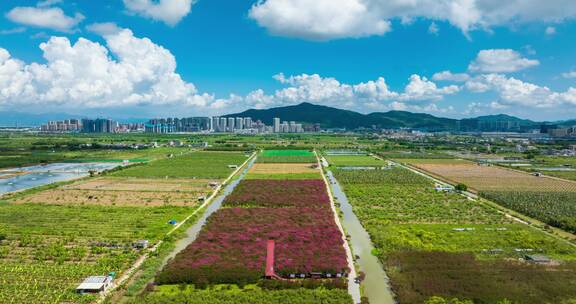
x=18, y=179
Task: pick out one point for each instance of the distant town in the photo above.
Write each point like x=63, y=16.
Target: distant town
x=240, y=125
x=246, y=125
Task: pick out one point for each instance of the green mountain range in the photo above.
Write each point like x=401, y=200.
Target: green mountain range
x=329, y=117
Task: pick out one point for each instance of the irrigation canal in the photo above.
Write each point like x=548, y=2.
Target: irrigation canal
x=376, y=284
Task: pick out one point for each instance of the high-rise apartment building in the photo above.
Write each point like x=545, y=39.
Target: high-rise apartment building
x=277, y=125
x=239, y=123
x=223, y=124
x=231, y=121
x=215, y=124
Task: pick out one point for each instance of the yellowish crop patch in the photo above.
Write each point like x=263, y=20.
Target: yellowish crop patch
x=283, y=168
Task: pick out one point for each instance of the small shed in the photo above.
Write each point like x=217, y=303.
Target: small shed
x=94, y=284
x=141, y=244
x=443, y=188
x=172, y=222
x=537, y=259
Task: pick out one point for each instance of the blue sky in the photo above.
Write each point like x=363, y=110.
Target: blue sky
x=184, y=57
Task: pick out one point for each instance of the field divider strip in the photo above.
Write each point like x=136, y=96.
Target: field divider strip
x=130, y=271
x=543, y=175
x=353, y=288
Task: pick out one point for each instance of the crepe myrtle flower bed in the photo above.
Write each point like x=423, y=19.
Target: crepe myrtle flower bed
x=309, y=193
x=231, y=248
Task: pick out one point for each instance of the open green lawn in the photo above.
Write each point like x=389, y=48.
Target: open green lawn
x=191, y=165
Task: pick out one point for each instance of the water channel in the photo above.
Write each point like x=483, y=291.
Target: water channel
x=193, y=231
x=17, y=179
x=376, y=284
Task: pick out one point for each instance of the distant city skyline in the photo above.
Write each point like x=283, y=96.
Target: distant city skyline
x=449, y=58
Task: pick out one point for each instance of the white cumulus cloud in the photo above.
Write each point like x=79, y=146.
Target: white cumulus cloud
x=47, y=3
x=333, y=19
x=319, y=19
x=52, y=18
x=84, y=75
x=419, y=94
x=170, y=12
x=422, y=89
x=449, y=76
x=515, y=92
x=104, y=29
x=500, y=61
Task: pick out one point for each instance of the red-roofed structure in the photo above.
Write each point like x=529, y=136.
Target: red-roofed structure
x=270, y=259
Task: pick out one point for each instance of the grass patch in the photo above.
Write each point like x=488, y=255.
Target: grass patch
x=192, y=165
x=355, y=160
x=250, y=295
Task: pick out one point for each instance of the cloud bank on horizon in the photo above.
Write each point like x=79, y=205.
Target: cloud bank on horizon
x=123, y=70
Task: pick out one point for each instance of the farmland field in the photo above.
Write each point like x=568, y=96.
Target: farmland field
x=232, y=247
x=47, y=250
x=292, y=168
x=142, y=184
x=123, y=192
x=286, y=156
x=230, y=294
x=417, y=231
x=279, y=194
x=557, y=166
x=549, y=200
x=554, y=208
x=489, y=178
x=55, y=236
x=461, y=275
x=354, y=160
x=192, y=165
x=17, y=158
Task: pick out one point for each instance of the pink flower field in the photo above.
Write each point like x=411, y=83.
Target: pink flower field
x=279, y=193
x=231, y=248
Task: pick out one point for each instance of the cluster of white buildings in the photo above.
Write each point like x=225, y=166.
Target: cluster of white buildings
x=62, y=126
x=287, y=127
x=247, y=125
x=232, y=124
